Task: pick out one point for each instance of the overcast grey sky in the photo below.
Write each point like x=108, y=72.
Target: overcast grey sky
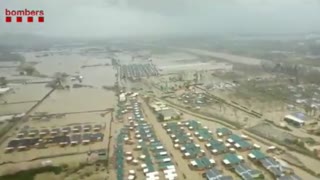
x=109, y=18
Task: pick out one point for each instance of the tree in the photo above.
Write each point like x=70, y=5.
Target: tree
x=28, y=68
x=307, y=109
x=3, y=81
x=160, y=117
x=60, y=78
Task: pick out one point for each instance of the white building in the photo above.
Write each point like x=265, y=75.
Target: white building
x=122, y=97
x=293, y=120
x=4, y=90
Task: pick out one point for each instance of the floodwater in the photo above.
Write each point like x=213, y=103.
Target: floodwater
x=26, y=92
x=75, y=99
x=80, y=99
x=8, y=109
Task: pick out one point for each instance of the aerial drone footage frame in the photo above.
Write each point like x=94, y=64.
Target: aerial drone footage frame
x=169, y=89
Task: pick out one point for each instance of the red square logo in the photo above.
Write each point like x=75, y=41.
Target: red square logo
x=8, y=19
x=30, y=19
x=41, y=19
x=19, y=19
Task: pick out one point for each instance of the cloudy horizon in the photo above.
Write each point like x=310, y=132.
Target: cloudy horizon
x=124, y=18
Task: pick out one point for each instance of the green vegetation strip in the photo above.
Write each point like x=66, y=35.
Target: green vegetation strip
x=30, y=174
x=119, y=155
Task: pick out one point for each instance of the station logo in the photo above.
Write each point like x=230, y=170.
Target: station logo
x=19, y=16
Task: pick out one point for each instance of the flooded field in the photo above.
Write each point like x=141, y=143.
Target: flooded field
x=81, y=99
x=7, y=109
x=26, y=92
x=227, y=57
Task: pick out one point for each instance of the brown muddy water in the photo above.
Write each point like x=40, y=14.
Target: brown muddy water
x=75, y=99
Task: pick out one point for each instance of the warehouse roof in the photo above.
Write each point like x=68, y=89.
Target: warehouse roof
x=246, y=172
x=193, y=124
x=204, y=133
x=169, y=113
x=233, y=138
x=243, y=144
x=272, y=166
x=256, y=154
x=223, y=131
x=215, y=174
x=230, y=159
x=22, y=142
x=203, y=163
